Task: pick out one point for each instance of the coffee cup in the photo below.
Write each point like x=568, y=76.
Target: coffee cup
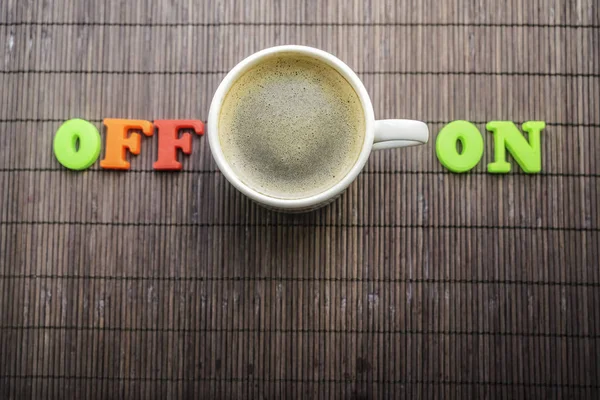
x=291, y=127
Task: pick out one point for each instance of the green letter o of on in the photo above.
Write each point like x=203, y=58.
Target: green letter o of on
x=472, y=146
x=65, y=144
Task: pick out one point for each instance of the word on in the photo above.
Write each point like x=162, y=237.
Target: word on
x=528, y=154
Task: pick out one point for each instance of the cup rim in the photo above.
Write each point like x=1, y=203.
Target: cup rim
x=242, y=67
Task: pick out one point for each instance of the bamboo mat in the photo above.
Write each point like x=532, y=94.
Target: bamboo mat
x=416, y=283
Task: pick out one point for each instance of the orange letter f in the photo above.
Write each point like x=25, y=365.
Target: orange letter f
x=117, y=141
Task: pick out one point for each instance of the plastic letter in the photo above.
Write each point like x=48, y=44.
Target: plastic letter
x=169, y=142
x=118, y=141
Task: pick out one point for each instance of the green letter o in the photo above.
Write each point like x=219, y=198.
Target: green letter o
x=65, y=141
x=472, y=146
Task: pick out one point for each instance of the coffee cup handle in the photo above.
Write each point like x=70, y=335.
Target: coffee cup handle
x=392, y=133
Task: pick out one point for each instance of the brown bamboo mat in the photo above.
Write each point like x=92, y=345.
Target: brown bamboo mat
x=416, y=283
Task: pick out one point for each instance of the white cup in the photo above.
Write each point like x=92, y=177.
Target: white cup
x=379, y=134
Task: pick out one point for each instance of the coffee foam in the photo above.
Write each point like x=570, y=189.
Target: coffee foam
x=291, y=127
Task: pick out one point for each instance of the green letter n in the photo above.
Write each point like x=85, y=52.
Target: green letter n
x=528, y=154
